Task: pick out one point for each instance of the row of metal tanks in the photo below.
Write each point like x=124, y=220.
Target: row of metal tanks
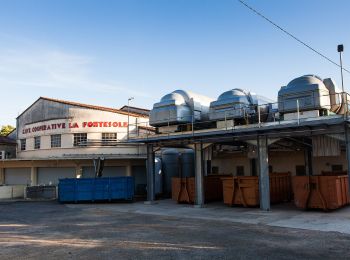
x=305, y=96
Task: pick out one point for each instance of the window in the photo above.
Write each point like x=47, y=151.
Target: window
x=240, y=170
x=23, y=144
x=55, y=141
x=109, y=137
x=37, y=142
x=80, y=139
x=337, y=167
x=300, y=170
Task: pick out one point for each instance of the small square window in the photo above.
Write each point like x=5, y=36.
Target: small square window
x=80, y=139
x=240, y=170
x=37, y=142
x=55, y=141
x=108, y=138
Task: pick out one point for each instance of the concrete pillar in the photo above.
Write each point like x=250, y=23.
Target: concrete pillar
x=150, y=174
x=2, y=176
x=34, y=176
x=347, y=141
x=78, y=171
x=199, y=174
x=129, y=169
x=264, y=179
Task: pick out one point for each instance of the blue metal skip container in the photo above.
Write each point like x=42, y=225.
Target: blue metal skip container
x=96, y=189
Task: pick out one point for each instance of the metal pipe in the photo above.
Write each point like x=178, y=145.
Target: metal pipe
x=129, y=99
x=298, y=116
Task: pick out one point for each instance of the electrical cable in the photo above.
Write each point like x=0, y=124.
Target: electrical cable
x=291, y=35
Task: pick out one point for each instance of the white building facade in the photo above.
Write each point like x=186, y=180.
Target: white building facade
x=58, y=139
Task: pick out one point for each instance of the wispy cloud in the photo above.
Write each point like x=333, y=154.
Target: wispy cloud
x=55, y=69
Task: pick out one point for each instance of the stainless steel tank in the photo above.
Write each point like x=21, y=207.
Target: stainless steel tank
x=240, y=104
x=179, y=107
x=158, y=175
x=187, y=163
x=308, y=92
x=170, y=168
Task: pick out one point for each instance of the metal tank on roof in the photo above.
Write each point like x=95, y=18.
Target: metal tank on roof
x=239, y=104
x=309, y=92
x=179, y=107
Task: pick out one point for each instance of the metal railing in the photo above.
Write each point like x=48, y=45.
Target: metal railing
x=259, y=118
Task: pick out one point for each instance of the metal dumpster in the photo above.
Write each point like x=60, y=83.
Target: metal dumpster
x=96, y=189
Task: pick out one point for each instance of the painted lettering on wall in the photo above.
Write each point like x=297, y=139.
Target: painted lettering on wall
x=90, y=124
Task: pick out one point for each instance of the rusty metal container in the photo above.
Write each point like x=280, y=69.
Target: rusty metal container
x=241, y=190
x=244, y=190
x=321, y=192
x=280, y=187
x=183, y=189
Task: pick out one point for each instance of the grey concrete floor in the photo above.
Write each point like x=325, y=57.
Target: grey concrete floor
x=48, y=230
x=281, y=215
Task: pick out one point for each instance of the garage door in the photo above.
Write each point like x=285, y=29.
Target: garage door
x=140, y=177
x=110, y=171
x=16, y=176
x=52, y=175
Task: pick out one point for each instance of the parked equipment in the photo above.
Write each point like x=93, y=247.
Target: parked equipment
x=242, y=107
x=96, y=189
x=179, y=108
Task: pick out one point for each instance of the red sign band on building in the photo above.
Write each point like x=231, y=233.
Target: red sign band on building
x=90, y=124
x=104, y=124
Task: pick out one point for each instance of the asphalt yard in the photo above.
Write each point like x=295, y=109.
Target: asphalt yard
x=49, y=230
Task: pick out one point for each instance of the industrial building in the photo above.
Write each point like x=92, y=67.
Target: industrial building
x=304, y=133
x=60, y=139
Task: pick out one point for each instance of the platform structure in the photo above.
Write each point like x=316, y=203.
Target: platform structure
x=263, y=136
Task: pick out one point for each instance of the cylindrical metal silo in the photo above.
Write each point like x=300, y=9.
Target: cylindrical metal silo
x=158, y=175
x=187, y=163
x=171, y=168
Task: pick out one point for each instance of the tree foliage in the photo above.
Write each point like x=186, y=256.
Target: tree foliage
x=6, y=129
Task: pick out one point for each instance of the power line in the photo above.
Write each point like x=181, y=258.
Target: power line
x=291, y=35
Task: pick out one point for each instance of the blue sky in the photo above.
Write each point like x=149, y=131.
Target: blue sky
x=102, y=52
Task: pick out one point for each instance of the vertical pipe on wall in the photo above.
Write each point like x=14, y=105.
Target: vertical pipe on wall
x=264, y=180
x=199, y=176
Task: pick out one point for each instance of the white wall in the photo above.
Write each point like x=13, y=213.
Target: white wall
x=280, y=162
x=80, y=120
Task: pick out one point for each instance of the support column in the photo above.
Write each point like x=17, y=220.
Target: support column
x=2, y=176
x=199, y=174
x=34, y=176
x=129, y=169
x=150, y=174
x=264, y=179
x=347, y=141
x=78, y=171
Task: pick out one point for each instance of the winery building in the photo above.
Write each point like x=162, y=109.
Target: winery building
x=58, y=139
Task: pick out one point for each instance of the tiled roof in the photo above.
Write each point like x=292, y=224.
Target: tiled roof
x=6, y=140
x=107, y=109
